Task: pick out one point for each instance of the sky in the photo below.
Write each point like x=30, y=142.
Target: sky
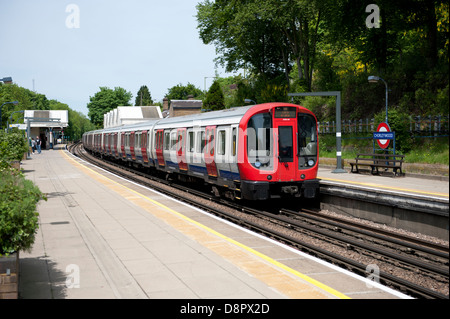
x=67, y=50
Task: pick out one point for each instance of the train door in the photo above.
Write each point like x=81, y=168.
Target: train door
x=132, y=138
x=166, y=150
x=115, y=145
x=285, y=124
x=181, y=149
x=210, y=151
x=233, y=152
x=223, y=152
x=144, y=147
x=190, y=146
x=137, y=147
x=103, y=144
x=109, y=139
x=122, y=145
x=159, y=147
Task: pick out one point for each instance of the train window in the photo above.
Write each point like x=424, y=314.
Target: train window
x=137, y=142
x=211, y=144
x=173, y=141
x=167, y=141
x=191, y=141
x=260, y=141
x=234, y=141
x=203, y=141
x=285, y=144
x=221, y=146
x=307, y=141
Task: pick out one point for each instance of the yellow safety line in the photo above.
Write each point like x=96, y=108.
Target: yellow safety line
x=383, y=186
x=232, y=241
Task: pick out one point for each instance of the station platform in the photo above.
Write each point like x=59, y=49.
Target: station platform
x=102, y=237
x=411, y=185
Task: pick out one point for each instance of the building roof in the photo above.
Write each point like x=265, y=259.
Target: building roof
x=47, y=118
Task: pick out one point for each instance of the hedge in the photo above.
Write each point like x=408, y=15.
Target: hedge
x=18, y=215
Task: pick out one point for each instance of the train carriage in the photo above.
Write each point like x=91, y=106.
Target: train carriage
x=253, y=152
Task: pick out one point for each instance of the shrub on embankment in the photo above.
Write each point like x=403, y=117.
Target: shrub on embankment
x=12, y=147
x=18, y=199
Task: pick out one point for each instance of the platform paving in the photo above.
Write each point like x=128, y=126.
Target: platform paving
x=101, y=237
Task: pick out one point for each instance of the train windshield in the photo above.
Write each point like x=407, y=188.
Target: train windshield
x=260, y=141
x=307, y=141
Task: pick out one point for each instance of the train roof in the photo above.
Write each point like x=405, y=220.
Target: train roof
x=221, y=117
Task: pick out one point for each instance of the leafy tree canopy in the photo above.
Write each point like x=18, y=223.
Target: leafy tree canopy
x=182, y=92
x=106, y=100
x=143, y=97
x=214, y=98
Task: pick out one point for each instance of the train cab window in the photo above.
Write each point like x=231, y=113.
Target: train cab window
x=307, y=141
x=260, y=141
x=221, y=144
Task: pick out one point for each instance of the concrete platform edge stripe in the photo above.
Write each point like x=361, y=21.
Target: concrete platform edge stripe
x=248, y=249
x=405, y=190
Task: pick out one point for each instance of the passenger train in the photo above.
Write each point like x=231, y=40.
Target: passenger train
x=253, y=152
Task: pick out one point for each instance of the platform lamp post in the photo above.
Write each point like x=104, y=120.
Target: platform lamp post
x=249, y=101
x=1, y=107
x=375, y=79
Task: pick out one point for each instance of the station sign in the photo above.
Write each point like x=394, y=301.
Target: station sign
x=383, y=135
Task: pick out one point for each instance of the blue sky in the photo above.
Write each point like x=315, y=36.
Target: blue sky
x=117, y=43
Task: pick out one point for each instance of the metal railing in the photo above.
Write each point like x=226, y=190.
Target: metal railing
x=437, y=125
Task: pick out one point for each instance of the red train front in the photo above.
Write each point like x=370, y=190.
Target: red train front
x=278, y=152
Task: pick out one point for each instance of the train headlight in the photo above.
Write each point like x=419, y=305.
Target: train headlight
x=257, y=164
x=311, y=162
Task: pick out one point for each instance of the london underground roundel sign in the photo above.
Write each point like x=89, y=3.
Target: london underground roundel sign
x=383, y=128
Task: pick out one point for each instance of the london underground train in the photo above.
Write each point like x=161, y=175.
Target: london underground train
x=253, y=152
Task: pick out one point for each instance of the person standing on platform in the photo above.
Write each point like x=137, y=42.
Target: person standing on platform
x=38, y=144
x=33, y=145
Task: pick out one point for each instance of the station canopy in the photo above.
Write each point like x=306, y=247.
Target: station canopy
x=47, y=119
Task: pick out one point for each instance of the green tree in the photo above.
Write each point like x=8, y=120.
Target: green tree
x=106, y=100
x=143, y=97
x=181, y=92
x=242, y=38
x=214, y=98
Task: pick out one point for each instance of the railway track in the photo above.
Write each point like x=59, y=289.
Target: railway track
x=359, y=248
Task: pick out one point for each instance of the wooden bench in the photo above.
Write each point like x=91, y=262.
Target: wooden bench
x=376, y=161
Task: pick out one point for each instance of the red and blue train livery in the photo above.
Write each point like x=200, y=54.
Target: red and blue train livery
x=253, y=152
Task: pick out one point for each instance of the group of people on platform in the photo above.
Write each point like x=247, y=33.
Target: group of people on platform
x=36, y=145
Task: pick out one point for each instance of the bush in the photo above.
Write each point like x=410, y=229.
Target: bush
x=18, y=216
x=399, y=123
x=12, y=147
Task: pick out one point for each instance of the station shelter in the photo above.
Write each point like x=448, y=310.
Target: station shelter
x=48, y=125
